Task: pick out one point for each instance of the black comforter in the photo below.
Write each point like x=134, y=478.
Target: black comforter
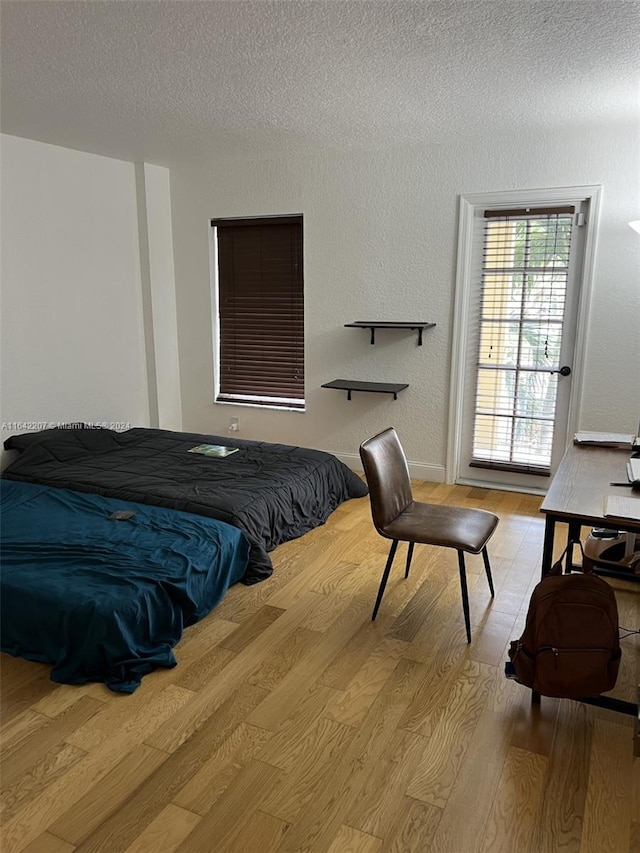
x=272, y=492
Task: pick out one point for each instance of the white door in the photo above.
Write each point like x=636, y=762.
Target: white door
x=520, y=355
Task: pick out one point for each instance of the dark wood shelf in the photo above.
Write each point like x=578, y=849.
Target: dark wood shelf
x=350, y=385
x=383, y=324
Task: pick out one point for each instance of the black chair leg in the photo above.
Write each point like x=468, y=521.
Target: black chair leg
x=487, y=568
x=385, y=576
x=465, y=594
x=409, y=556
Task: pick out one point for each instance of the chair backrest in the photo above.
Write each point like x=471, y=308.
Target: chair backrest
x=385, y=467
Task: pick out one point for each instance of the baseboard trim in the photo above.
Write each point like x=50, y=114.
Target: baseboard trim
x=501, y=487
x=417, y=470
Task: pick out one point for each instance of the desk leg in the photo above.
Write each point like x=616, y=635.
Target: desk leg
x=547, y=557
x=547, y=548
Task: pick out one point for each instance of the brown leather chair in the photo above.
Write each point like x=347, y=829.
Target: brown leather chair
x=398, y=517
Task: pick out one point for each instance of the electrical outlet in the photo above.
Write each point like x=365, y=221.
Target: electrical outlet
x=234, y=425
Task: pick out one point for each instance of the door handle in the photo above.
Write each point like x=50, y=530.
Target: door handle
x=563, y=371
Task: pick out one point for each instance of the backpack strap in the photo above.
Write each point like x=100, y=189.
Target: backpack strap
x=556, y=569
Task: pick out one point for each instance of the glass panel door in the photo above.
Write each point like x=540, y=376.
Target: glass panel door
x=519, y=296
x=524, y=285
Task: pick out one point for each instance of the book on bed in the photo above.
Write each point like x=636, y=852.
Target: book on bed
x=218, y=450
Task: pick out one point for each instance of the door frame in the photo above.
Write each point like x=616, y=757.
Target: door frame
x=469, y=203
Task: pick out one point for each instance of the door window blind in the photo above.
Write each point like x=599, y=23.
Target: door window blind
x=261, y=311
x=523, y=288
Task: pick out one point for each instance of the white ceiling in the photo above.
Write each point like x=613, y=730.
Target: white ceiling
x=163, y=81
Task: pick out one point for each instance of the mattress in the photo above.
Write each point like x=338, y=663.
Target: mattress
x=272, y=492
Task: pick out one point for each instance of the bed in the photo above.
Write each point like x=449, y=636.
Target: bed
x=272, y=492
x=101, y=588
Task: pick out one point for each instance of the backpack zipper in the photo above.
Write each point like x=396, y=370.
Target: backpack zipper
x=556, y=652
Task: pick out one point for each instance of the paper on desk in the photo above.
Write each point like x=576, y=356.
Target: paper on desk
x=612, y=439
x=619, y=506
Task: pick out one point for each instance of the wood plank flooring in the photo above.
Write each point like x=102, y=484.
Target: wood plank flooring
x=294, y=723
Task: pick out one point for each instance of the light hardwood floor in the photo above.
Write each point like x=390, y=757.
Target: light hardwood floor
x=294, y=723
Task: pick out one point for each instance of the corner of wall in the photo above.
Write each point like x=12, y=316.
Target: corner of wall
x=159, y=296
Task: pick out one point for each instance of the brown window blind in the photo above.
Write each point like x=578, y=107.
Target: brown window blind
x=261, y=311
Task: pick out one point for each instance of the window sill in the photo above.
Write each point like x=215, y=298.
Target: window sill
x=256, y=405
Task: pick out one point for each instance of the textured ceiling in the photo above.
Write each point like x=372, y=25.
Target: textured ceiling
x=163, y=81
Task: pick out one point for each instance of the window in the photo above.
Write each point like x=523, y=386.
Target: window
x=260, y=311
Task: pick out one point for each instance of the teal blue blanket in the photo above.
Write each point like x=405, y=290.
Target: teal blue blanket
x=104, y=599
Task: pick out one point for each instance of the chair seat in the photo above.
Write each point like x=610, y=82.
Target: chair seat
x=447, y=526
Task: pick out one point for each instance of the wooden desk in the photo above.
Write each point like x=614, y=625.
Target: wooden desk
x=577, y=493
x=575, y=497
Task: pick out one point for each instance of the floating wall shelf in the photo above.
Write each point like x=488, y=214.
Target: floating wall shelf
x=350, y=385
x=372, y=326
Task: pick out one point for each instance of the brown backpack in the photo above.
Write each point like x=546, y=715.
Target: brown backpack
x=570, y=646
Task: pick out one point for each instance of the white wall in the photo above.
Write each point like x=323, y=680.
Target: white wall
x=159, y=295
x=72, y=341
x=380, y=242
